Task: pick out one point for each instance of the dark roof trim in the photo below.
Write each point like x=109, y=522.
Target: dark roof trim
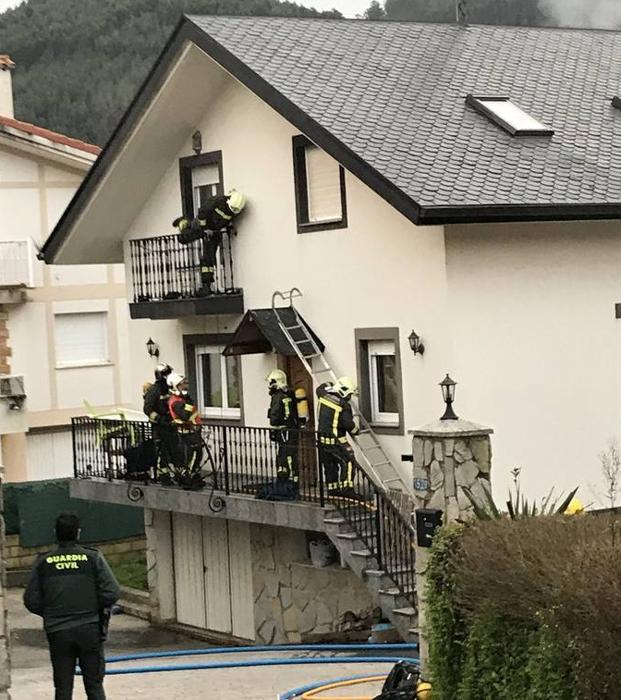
x=494, y=213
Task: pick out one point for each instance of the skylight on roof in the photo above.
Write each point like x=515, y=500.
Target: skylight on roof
x=508, y=116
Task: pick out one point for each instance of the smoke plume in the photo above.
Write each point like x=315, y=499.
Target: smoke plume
x=601, y=14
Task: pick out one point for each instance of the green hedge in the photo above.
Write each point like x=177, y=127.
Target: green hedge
x=489, y=655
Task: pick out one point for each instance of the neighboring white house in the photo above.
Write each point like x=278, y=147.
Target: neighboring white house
x=459, y=182
x=62, y=329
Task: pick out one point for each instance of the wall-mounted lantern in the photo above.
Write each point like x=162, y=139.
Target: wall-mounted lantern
x=197, y=142
x=448, y=394
x=153, y=348
x=416, y=344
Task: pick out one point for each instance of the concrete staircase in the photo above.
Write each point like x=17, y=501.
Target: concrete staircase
x=394, y=604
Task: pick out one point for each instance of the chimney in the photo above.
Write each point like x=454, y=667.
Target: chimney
x=6, y=87
x=461, y=12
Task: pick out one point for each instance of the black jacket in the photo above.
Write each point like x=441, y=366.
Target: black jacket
x=283, y=410
x=336, y=417
x=156, y=403
x=69, y=587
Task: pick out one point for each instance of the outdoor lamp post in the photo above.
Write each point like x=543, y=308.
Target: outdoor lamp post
x=416, y=345
x=152, y=348
x=448, y=394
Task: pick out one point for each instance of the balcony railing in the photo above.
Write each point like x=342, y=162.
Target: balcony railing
x=242, y=460
x=17, y=264
x=163, y=269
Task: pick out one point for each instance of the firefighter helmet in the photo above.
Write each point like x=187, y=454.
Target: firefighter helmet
x=423, y=691
x=277, y=379
x=237, y=201
x=346, y=387
x=174, y=380
x=162, y=370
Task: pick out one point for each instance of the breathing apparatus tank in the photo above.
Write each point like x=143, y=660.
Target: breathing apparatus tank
x=302, y=404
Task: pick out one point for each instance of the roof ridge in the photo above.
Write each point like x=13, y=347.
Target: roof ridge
x=470, y=25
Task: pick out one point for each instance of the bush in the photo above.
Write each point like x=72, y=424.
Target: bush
x=527, y=609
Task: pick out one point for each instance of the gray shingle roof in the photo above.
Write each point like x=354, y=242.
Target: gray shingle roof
x=394, y=93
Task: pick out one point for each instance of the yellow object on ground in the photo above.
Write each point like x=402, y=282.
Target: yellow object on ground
x=316, y=694
x=575, y=507
x=423, y=691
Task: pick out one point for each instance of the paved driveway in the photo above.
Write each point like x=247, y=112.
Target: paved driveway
x=32, y=678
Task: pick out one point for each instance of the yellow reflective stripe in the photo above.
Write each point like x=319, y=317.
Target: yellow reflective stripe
x=343, y=439
x=337, y=412
x=189, y=407
x=287, y=404
x=202, y=222
x=154, y=415
x=223, y=215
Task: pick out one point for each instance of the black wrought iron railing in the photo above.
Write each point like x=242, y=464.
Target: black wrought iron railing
x=163, y=268
x=385, y=531
x=238, y=459
x=244, y=460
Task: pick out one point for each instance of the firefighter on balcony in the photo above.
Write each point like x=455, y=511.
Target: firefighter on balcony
x=216, y=215
x=335, y=421
x=186, y=420
x=155, y=406
x=285, y=424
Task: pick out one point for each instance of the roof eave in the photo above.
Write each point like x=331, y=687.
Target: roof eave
x=187, y=30
x=507, y=213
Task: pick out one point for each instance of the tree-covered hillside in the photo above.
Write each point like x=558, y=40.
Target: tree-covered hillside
x=80, y=62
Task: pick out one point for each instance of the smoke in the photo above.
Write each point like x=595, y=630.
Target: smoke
x=600, y=14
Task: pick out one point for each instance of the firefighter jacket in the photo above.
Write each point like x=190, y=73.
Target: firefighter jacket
x=336, y=417
x=283, y=410
x=156, y=403
x=215, y=213
x=70, y=586
x=183, y=411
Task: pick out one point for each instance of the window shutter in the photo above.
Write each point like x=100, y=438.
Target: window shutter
x=324, y=186
x=81, y=338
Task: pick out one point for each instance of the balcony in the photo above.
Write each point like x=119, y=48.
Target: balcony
x=166, y=279
x=17, y=270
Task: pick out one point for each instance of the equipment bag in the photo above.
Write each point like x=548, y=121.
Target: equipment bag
x=140, y=460
x=401, y=683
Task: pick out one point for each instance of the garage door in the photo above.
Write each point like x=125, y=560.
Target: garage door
x=213, y=574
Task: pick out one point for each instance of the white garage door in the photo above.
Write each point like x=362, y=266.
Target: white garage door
x=213, y=574
x=50, y=455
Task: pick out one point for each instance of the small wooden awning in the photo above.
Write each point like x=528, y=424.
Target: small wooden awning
x=259, y=331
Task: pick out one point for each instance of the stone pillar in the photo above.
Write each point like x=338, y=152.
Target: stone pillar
x=448, y=455
x=160, y=571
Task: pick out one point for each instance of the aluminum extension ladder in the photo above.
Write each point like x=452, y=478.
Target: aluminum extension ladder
x=372, y=456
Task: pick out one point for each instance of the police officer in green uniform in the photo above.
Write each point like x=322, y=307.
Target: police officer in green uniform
x=71, y=587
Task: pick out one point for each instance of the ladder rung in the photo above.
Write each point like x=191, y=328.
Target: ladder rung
x=310, y=357
x=392, y=479
x=321, y=371
x=291, y=328
x=380, y=464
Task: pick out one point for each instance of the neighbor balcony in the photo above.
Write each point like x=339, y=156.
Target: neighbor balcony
x=17, y=270
x=166, y=279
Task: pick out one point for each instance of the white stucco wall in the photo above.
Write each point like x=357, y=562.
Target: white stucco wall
x=538, y=347
x=381, y=271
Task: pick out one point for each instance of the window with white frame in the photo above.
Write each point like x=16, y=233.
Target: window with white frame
x=319, y=188
x=81, y=339
x=383, y=382
x=205, y=183
x=217, y=382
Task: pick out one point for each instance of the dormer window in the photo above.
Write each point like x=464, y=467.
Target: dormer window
x=508, y=116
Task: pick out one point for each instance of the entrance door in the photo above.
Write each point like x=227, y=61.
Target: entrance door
x=299, y=378
x=213, y=574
